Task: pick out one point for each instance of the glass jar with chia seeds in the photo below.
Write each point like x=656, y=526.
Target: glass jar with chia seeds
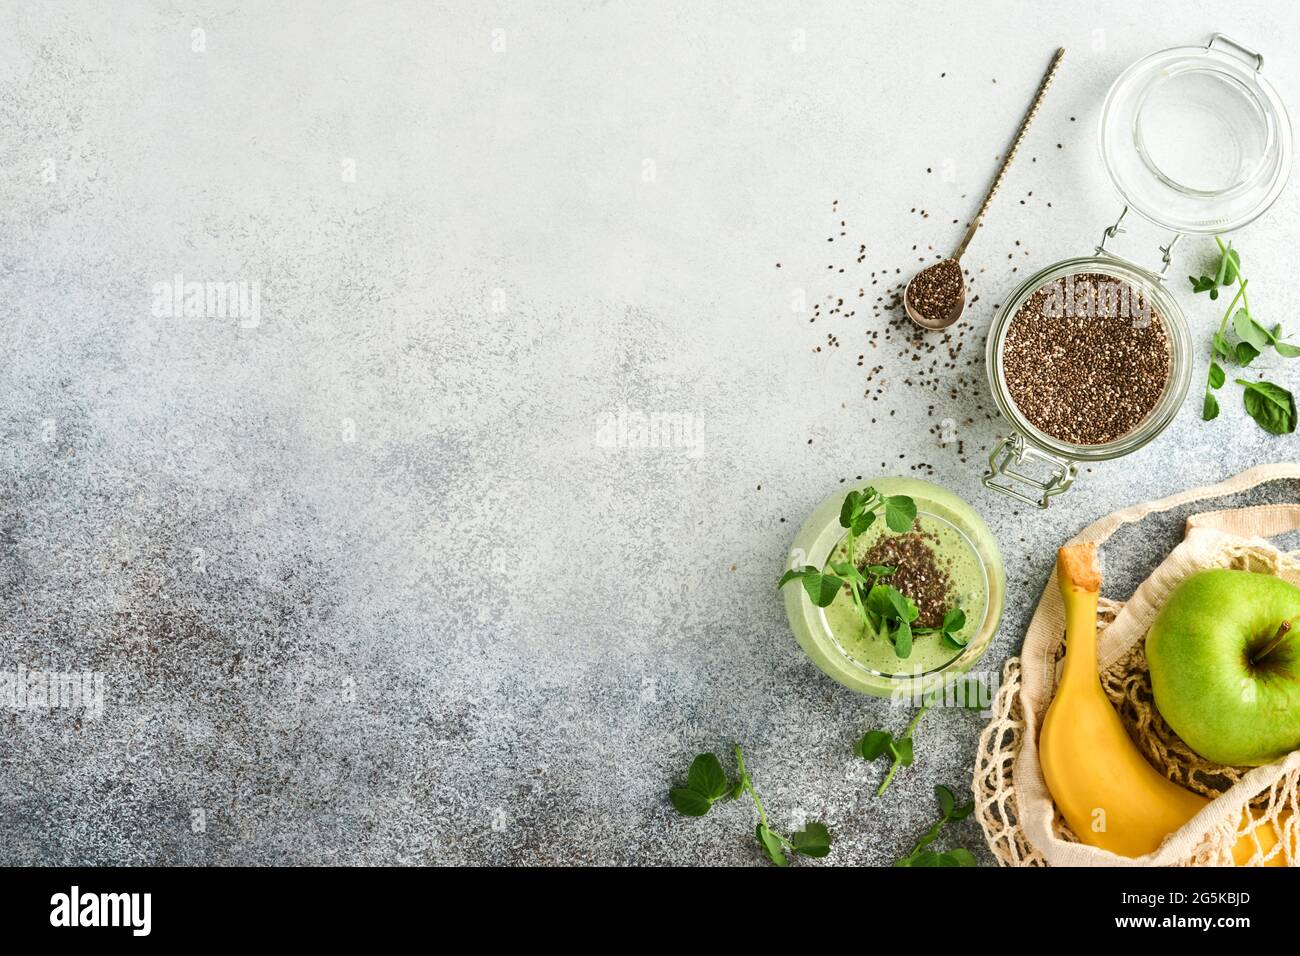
x=1090, y=358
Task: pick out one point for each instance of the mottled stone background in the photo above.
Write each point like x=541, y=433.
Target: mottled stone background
x=366, y=584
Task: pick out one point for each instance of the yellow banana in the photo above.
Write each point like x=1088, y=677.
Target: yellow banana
x=1108, y=793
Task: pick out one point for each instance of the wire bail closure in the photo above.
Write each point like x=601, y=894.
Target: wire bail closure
x=1004, y=464
x=1166, y=251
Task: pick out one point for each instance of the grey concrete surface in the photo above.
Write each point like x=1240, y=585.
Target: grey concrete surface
x=373, y=579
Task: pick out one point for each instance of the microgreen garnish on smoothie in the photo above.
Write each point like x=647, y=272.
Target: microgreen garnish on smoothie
x=821, y=588
x=953, y=623
x=857, y=514
x=707, y=783
x=886, y=611
x=895, y=591
x=1272, y=406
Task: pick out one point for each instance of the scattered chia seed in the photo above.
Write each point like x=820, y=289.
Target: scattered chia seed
x=1087, y=378
x=936, y=364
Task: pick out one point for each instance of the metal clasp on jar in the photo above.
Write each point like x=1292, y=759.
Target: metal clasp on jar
x=1166, y=251
x=1005, y=476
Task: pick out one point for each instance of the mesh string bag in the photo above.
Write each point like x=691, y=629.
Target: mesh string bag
x=1012, y=803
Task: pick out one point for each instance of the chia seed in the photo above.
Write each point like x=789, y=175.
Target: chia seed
x=935, y=290
x=1086, y=375
x=918, y=573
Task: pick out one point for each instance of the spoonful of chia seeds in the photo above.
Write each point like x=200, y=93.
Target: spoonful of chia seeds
x=936, y=296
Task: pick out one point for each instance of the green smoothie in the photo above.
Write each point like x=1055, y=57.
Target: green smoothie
x=955, y=556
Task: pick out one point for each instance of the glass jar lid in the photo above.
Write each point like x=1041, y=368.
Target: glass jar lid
x=1195, y=139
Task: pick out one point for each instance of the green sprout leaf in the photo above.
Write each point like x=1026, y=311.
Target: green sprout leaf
x=947, y=802
x=772, y=844
x=1225, y=262
x=813, y=840
x=706, y=777
x=689, y=802
x=1231, y=267
x=903, y=640
x=953, y=622
x=862, y=522
x=707, y=783
x=1210, y=410
x=851, y=508
x=894, y=604
x=921, y=856
x=1272, y=406
x=873, y=744
x=1248, y=330
x=821, y=588
x=1228, y=268
x=878, y=602
x=900, y=512
x=794, y=574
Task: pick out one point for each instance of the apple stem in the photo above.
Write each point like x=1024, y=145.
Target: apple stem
x=1272, y=645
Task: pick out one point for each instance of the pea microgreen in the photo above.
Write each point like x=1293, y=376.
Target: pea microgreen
x=961, y=691
x=1272, y=406
x=953, y=623
x=921, y=856
x=821, y=588
x=884, y=611
x=880, y=743
x=707, y=783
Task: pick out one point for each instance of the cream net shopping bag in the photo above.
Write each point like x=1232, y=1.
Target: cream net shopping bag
x=1012, y=802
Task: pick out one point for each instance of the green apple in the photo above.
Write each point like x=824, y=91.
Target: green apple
x=1224, y=653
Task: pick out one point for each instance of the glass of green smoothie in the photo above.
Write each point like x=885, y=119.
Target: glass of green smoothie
x=947, y=560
